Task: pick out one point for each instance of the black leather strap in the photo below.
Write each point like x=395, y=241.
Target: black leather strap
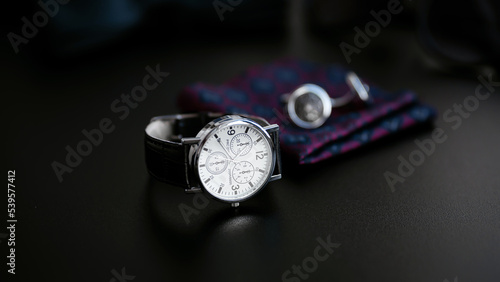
x=166, y=156
x=165, y=161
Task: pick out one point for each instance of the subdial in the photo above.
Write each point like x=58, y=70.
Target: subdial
x=241, y=144
x=216, y=163
x=243, y=172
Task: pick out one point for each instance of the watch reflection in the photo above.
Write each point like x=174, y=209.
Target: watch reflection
x=214, y=232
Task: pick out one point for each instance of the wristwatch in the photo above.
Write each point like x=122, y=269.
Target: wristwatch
x=309, y=106
x=232, y=157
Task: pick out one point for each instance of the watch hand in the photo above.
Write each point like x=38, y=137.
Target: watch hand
x=224, y=148
x=242, y=149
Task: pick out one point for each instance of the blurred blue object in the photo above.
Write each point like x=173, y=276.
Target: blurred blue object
x=84, y=24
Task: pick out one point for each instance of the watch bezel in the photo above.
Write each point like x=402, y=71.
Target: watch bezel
x=321, y=94
x=209, y=130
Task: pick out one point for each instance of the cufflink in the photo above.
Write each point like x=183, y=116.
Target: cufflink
x=309, y=105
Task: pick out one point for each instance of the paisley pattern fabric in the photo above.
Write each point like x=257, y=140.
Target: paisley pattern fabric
x=257, y=91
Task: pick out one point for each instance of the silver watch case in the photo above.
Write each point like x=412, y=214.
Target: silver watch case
x=206, y=132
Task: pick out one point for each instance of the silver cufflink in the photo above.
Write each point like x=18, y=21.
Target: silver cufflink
x=309, y=106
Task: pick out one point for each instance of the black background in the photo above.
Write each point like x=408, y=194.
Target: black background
x=441, y=223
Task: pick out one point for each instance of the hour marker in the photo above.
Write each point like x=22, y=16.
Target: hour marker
x=206, y=180
x=246, y=130
x=220, y=189
x=250, y=183
x=261, y=170
x=259, y=152
x=216, y=137
x=235, y=192
x=203, y=165
x=256, y=141
x=205, y=149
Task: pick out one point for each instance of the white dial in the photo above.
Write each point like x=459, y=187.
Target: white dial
x=235, y=161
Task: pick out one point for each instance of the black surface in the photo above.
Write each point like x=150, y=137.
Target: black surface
x=441, y=223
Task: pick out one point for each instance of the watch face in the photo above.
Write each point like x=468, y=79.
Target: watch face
x=235, y=161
